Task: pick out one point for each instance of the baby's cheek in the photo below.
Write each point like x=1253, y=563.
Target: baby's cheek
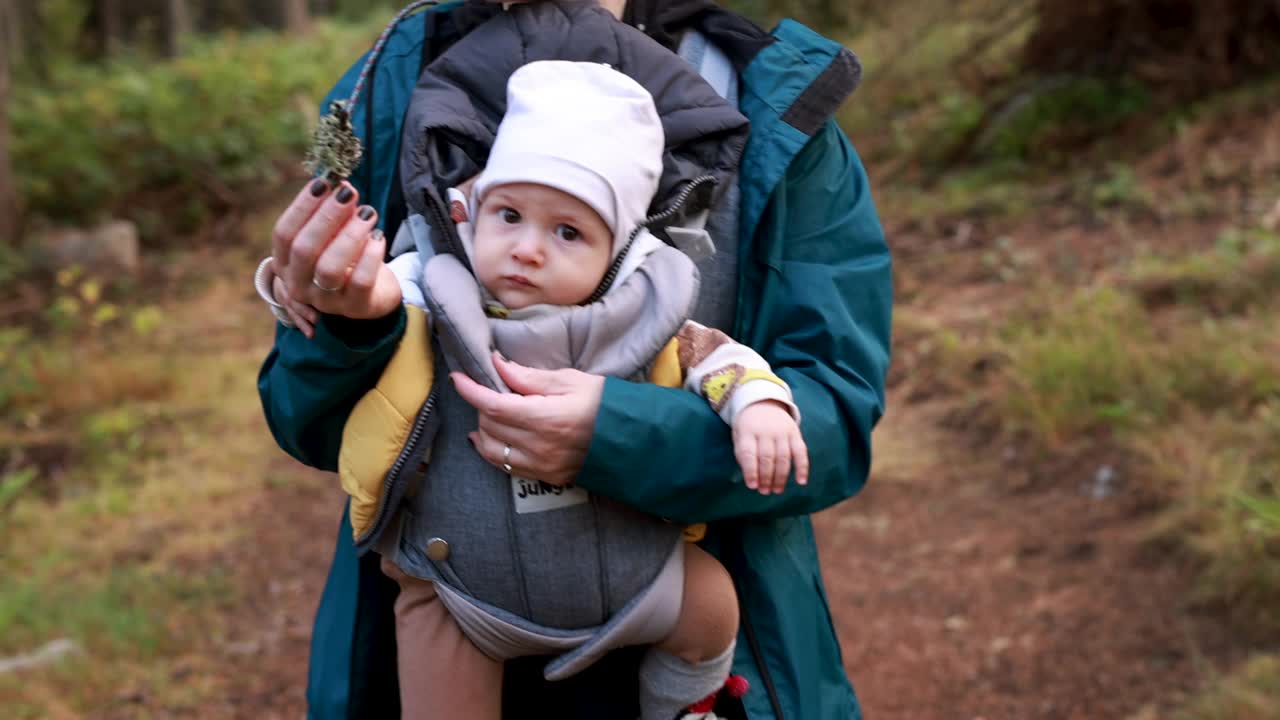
x=482, y=260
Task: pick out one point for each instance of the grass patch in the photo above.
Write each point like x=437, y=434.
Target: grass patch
x=1252, y=692
x=1088, y=362
x=1219, y=472
x=1048, y=122
x=126, y=611
x=1176, y=361
x=1241, y=271
x=1191, y=333
x=133, y=454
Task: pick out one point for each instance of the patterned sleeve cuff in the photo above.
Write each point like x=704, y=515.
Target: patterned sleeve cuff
x=757, y=386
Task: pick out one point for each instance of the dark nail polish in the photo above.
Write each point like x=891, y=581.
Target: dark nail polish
x=366, y=212
x=377, y=235
x=345, y=195
x=319, y=187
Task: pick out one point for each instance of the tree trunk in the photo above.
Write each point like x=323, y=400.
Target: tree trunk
x=9, y=220
x=297, y=20
x=11, y=30
x=109, y=26
x=178, y=27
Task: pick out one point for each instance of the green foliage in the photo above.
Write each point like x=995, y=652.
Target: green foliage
x=1001, y=190
x=18, y=382
x=13, y=264
x=1252, y=692
x=12, y=484
x=203, y=131
x=1100, y=361
x=1177, y=363
x=1051, y=119
x=1242, y=270
x=122, y=610
x=1218, y=470
x=1119, y=187
x=1086, y=363
x=59, y=29
x=1265, y=510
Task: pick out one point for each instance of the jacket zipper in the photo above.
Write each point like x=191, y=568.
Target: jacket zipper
x=679, y=201
x=758, y=656
x=670, y=210
x=415, y=435
x=749, y=630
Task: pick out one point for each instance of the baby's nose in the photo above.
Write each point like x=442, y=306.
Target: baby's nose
x=527, y=248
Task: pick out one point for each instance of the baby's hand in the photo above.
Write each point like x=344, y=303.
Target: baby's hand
x=766, y=441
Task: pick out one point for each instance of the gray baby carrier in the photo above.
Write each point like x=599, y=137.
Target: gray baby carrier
x=526, y=568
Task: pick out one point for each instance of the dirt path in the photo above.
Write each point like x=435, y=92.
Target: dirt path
x=962, y=588
x=966, y=588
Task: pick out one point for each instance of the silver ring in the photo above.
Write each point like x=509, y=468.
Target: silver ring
x=506, y=457
x=316, y=282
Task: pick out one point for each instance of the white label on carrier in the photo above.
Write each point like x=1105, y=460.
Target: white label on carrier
x=533, y=496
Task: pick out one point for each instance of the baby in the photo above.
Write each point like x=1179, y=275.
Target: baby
x=554, y=232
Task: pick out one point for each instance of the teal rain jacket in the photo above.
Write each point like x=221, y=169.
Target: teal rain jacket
x=815, y=297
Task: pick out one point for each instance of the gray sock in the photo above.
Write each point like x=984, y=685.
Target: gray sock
x=669, y=684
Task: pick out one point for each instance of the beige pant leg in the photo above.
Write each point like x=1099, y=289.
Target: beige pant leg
x=443, y=675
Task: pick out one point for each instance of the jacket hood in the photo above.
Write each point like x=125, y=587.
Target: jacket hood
x=460, y=99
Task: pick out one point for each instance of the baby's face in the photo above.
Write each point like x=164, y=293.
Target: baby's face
x=535, y=244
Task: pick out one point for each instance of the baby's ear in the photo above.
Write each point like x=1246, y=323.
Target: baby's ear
x=458, y=210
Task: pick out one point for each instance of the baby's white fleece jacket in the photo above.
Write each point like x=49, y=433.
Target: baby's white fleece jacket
x=728, y=374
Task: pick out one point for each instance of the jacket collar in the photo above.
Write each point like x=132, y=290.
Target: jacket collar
x=790, y=90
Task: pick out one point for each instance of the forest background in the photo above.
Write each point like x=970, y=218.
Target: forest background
x=1075, y=506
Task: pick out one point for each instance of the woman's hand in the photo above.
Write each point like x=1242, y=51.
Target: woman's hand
x=548, y=424
x=328, y=258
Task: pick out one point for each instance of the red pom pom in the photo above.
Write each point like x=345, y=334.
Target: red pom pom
x=737, y=686
x=704, y=705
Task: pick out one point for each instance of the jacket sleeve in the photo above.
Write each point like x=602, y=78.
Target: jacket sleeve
x=308, y=387
x=822, y=322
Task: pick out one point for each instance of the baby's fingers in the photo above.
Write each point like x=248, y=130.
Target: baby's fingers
x=783, y=469
x=744, y=449
x=800, y=454
x=767, y=463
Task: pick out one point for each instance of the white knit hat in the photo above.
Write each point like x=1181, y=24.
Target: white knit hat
x=585, y=129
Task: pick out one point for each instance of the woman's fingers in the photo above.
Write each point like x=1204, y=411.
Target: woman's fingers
x=294, y=218
x=322, y=227
x=371, y=258
x=342, y=253
x=299, y=320
x=303, y=316
x=493, y=451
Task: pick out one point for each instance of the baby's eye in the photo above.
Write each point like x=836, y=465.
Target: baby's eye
x=568, y=232
x=509, y=216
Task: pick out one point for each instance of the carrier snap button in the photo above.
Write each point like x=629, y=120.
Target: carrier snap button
x=437, y=549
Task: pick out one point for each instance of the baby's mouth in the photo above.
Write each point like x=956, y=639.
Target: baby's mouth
x=519, y=280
